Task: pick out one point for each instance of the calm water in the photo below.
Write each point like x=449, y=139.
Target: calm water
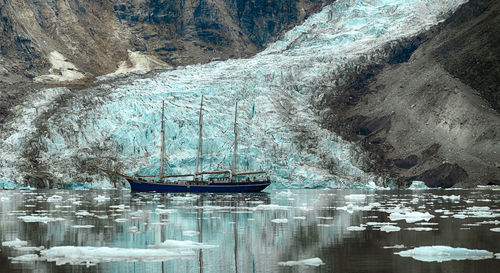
x=249, y=232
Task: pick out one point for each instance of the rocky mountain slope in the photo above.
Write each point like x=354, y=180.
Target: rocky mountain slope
x=433, y=116
x=79, y=40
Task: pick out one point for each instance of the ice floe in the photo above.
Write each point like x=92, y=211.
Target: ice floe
x=174, y=244
x=356, y=228
x=190, y=233
x=389, y=228
x=280, y=221
x=81, y=255
x=394, y=246
x=411, y=217
x=39, y=219
x=15, y=243
x=311, y=262
x=444, y=253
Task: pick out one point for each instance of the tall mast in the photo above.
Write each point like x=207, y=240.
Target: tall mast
x=200, y=123
x=162, y=140
x=235, y=146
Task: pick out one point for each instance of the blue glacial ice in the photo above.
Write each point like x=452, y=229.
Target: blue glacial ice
x=445, y=253
x=279, y=128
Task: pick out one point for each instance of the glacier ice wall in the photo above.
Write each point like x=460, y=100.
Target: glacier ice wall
x=59, y=131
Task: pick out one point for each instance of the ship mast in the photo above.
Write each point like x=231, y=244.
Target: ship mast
x=235, y=146
x=198, y=154
x=162, y=161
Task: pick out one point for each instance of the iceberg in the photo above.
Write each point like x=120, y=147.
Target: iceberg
x=445, y=253
x=418, y=185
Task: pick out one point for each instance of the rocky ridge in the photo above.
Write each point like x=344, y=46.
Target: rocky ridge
x=429, y=111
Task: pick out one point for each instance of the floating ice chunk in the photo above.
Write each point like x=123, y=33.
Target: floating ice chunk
x=101, y=198
x=83, y=213
x=418, y=185
x=182, y=245
x=190, y=233
x=133, y=229
x=299, y=217
x=495, y=229
x=450, y=197
x=411, y=217
x=459, y=216
x=79, y=255
x=164, y=211
x=445, y=253
x=379, y=224
x=311, y=262
x=39, y=219
x=54, y=198
x=280, y=221
x=187, y=197
x=83, y=226
x=26, y=258
x=15, y=243
x=395, y=246
x=30, y=248
x=355, y=197
x=421, y=228
x=389, y=228
x=356, y=228
x=271, y=207
x=121, y=220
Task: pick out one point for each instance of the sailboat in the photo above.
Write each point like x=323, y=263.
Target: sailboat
x=226, y=180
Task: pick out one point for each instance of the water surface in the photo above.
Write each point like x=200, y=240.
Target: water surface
x=345, y=229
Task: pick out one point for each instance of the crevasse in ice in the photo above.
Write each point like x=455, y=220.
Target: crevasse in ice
x=279, y=129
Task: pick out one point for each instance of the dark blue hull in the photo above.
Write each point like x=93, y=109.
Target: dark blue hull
x=144, y=186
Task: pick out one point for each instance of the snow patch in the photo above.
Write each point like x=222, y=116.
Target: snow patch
x=62, y=70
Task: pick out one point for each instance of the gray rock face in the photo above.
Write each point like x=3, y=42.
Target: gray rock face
x=96, y=35
x=428, y=111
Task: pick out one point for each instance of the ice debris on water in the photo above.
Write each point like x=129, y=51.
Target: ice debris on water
x=355, y=197
x=356, y=228
x=395, y=246
x=101, y=198
x=190, y=233
x=15, y=243
x=495, y=229
x=82, y=255
x=444, y=253
x=418, y=185
x=390, y=228
x=174, y=244
x=311, y=262
x=39, y=219
x=411, y=217
x=280, y=221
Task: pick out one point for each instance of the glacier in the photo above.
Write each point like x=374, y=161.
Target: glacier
x=58, y=132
